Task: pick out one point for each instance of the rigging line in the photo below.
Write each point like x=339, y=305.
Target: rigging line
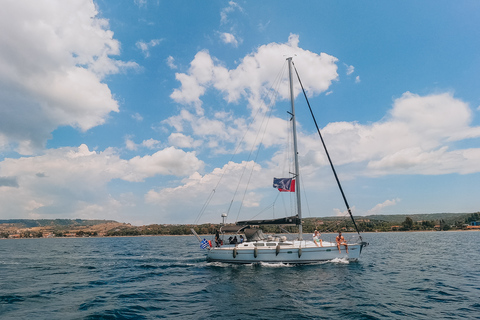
x=328, y=155
x=202, y=210
x=306, y=199
x=209, y=198
x=256, y=157
x=262, y=211
x=266, y=208
x=264, y=125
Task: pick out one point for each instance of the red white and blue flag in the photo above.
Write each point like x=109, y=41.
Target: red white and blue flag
x=284, y=184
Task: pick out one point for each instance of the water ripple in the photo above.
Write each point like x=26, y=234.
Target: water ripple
x=397, y=277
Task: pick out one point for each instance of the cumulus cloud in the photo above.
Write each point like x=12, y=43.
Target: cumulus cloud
x=63, y=180
x=251, y=81
x=52, y=61
x=379, y=207
x=130, y=145
x=150, y=143
x=224, y=181
x=229, y=38
x=416, y=136
x=255, y=75
x=181, y=141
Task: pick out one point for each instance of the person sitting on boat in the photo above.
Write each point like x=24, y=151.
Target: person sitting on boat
x=341, y=241
x=241, y=239
x=217, y=239
x=317, y=239
x=230, y=240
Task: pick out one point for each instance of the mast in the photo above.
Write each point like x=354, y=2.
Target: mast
x=328, y=156
x=297, y=168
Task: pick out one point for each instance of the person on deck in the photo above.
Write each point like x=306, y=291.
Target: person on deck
x=241, y=239
x=217, y=238
x=341, y=241
x=317, y=239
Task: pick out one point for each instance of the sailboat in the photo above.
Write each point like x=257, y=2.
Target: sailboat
x=259, y=248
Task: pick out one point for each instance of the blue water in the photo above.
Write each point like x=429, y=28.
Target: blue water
x=420, y=275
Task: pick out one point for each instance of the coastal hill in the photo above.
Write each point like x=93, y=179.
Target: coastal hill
x=48, y=228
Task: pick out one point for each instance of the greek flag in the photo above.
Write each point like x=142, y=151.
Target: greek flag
x=204, y=244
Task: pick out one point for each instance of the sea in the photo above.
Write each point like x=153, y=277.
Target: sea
x=404, y=275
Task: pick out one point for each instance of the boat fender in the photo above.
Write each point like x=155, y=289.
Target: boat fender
x=299, y=252
x=277, y=250
x=234, y=252
x=255, y=252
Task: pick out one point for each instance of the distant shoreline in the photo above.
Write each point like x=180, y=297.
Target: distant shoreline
x=210, y=234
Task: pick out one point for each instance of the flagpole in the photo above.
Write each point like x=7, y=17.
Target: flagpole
x=297, y=169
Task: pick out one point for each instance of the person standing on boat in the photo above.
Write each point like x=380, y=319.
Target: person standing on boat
x=341, y=241
x=317, y=239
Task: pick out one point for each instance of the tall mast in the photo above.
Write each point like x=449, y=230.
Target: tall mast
x=297, y=169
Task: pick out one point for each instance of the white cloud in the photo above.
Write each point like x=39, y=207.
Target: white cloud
x=339, y=213
x=146, y=46
x=151, y=143
x=255, y=75
x=252, y=82
x=350, y=69
x=232, y=6
x=379, y=207
x=141, y=3
x=137, y=116
x=130, y=145
x=171, y=62
x=229, y=38
x=357, y=79
x=180, y=140
x=414, y=139
x=169, y=161
x=223, y=180
x=263, y=26
x=417, y=136
x=52, y=62
x=68, y=180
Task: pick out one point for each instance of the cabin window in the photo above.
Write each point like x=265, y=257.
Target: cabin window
x=259, y=244
x=271, y=244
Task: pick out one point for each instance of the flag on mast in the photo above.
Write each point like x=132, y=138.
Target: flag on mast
x=284, y=184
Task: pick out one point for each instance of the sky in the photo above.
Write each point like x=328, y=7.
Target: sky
x=136, y=110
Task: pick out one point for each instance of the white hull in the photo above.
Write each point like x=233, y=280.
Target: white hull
x=295, y=252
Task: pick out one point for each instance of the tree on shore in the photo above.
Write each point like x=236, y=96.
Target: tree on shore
x=408, y=224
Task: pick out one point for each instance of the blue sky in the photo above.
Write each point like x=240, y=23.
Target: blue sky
x=130, y=110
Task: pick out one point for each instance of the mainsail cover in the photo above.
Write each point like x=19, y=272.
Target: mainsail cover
x=293, y=220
